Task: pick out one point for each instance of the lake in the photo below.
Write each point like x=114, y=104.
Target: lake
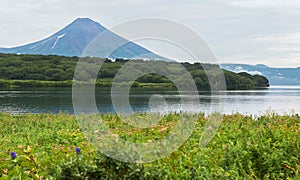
x=281, y=99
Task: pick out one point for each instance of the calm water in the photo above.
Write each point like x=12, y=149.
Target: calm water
x=280, y=99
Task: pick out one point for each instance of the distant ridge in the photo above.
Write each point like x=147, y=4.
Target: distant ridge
x=73, y=39
x=276, y=76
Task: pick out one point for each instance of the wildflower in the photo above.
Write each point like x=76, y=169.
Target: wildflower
x=20, y=146
x=13, y=155
x=163, y=129
x=115, y=135
x=209, y=129
x=61, y=147
x=77, y=150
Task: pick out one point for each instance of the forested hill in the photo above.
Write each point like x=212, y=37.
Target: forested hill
x=33, y=70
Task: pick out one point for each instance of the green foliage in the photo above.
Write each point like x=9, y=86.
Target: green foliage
x=57, y=71
x=260, y=81
x=100, y=167
x=34, y=83
x=235, y=82
x=36, y=67
x=243, y=148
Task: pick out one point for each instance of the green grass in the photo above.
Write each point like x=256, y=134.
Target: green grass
x=243, y=148
x=68, y=83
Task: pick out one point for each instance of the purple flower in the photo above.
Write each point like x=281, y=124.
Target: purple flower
x=13, y=155
x=77, y=150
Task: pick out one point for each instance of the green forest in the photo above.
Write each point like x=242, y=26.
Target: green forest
x=58, y=71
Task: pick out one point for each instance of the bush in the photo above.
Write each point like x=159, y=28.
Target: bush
x=101, y=167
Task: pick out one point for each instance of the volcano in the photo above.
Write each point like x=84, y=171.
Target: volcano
x=74, y=38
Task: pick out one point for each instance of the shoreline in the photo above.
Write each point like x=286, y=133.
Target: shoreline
x=267, y=112
x=104, y=83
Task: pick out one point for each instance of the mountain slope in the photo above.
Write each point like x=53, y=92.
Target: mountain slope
x=73, y=39
x=276, y=76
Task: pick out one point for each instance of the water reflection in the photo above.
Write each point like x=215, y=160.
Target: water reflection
x=54, y=100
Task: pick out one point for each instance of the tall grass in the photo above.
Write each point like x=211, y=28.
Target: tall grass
x=45, y=146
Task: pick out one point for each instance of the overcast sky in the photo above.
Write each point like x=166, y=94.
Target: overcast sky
x=239, y=31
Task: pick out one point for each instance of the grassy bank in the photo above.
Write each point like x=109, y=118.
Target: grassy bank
x=69, y=83
x=45, y=145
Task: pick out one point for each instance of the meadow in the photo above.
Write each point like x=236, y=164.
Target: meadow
x=52, y=146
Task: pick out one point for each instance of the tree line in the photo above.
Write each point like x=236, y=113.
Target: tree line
x=51, y=68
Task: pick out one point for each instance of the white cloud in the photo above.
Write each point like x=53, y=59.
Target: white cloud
x=264, y=3
x=280, y=44
x=281, y=38
x=269, y=28
x=239, y=69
